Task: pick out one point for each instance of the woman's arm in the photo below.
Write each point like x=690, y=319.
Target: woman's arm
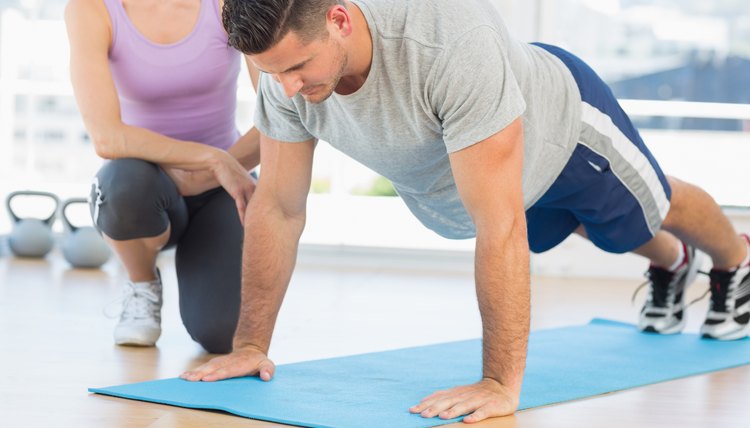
x=90, y=35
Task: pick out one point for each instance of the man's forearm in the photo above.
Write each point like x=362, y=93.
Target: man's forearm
x=269, y=255
x=503, y=282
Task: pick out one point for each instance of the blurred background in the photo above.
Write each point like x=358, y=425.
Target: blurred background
x=680, y=67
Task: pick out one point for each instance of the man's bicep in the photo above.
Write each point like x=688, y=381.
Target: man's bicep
x=285, y=174
x=488, y=175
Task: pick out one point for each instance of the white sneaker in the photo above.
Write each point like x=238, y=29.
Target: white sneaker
x=728, y=315
x=140, y=320
x=664, y=310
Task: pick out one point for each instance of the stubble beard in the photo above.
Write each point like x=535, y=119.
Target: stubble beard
x=330, y=87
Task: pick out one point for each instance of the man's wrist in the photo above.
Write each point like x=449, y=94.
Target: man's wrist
x=514, y=393
x=515, y=387
x=248, y=346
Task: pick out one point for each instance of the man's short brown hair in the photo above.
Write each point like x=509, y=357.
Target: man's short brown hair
x=254, y=26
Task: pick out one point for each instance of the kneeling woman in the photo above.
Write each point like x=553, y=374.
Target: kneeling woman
x=156, y=85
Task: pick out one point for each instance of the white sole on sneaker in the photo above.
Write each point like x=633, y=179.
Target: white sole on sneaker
x=677, y=328
x=144, y=344
x=645, y=324
x=739, y=332
x=128, y=336
x=730, y=329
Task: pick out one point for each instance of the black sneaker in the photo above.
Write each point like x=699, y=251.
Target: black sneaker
x=664, y=310
x=729, y=311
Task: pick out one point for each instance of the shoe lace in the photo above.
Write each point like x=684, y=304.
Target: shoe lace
x=661, y=293
x=661, y=286
x=719, y=288
x=716, y=294
x=136, y=302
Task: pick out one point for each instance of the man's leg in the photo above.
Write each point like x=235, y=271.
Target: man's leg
x=630, y=203
x=674, y=265
x=696, y=219
x=664, y=249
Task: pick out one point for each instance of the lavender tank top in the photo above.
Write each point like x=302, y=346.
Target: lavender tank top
x=186, y=90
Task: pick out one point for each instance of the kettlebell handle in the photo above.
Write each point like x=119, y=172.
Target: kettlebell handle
x=49, y=220
x=64, y=215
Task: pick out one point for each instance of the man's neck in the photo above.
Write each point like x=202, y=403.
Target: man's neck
x=359, y=49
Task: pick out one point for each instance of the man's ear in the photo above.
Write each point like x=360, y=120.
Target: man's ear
x=338, y=18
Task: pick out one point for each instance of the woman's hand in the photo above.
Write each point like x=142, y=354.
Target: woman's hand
x=233, y=177
x=191, y=183
x=225, y=171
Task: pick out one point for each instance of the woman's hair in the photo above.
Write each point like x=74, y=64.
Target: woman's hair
x=254, y=26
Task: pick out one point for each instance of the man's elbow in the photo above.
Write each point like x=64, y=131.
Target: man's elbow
x=510, y=225
x=263, y=210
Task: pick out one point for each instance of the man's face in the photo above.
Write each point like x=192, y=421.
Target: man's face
x=313, y=70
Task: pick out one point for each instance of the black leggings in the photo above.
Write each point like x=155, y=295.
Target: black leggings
x=132, y=199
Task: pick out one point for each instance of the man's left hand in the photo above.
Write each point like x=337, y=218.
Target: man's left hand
x=484, y=399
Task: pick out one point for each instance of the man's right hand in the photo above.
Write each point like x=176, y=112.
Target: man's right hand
x=247, y=361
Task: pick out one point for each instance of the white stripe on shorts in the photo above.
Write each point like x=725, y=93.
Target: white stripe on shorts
x=628, y=153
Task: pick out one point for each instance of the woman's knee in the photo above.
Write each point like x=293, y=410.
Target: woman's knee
x=129, y=198
x=121, y=182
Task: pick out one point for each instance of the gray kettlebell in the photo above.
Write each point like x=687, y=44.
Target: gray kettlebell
x=82, y=246
x=31, y=237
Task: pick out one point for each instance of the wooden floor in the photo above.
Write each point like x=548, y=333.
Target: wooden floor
x=56, y=342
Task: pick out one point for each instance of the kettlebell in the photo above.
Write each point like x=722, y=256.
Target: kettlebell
x=82, y=246
x=31, y=237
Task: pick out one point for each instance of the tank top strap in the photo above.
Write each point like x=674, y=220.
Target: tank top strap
x=115, y=11
x=214, y=12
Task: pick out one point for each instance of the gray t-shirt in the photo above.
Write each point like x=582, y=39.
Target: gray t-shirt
x=445, y=75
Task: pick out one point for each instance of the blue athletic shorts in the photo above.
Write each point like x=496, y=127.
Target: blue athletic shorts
x=611, y=185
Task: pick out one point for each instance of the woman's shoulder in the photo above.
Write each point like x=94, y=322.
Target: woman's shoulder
x=88, y=11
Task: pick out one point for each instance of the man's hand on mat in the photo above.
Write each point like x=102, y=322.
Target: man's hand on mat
x=484, y=399
x=241, y=362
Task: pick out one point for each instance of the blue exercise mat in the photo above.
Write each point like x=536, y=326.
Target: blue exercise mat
x=376, y=390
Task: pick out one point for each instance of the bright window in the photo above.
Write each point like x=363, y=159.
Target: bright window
x=680, y=66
